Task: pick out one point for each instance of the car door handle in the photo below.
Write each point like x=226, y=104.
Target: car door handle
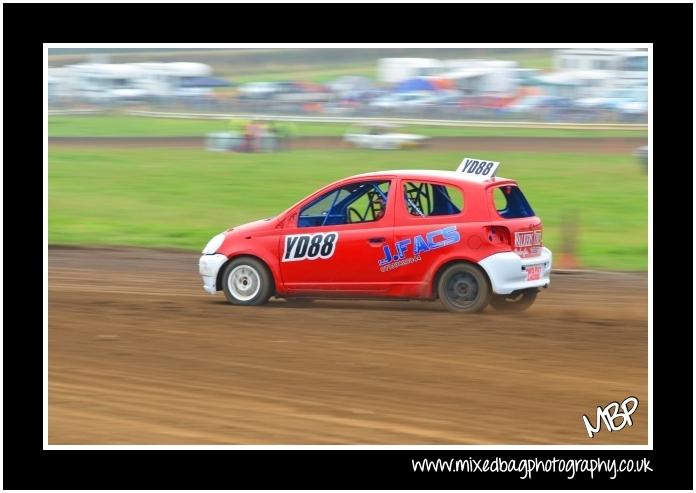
x=377, y=240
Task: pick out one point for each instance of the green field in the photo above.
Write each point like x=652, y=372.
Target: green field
x=133, y=126
x=180, y=198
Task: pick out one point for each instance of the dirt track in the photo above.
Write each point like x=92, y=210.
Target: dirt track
x=612, y=145
x=138, y=353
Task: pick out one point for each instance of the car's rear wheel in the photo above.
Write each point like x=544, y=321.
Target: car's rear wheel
x=514, y=302
x=464, y=288
x=246, y=281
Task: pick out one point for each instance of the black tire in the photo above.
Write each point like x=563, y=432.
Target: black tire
x=464, y=288
x=514, y=302
x=247, y=281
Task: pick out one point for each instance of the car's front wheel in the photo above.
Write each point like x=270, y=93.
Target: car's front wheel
x=246, y=281
x=464, y=288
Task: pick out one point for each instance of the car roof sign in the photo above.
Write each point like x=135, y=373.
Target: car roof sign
x=478, y=169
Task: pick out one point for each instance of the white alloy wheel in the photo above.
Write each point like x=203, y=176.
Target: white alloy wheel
x=244, y=282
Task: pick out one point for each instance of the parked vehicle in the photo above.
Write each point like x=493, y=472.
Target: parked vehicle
x=404, y=100
x=257, y=90
x=383, y=137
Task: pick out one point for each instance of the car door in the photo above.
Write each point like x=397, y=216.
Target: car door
x=429, y=226
x=321, y=251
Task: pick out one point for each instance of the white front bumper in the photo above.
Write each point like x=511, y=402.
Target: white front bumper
x=209, y=266
x=507, y=271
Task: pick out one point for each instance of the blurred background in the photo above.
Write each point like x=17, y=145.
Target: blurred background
x=151, y=153
x=166, y=147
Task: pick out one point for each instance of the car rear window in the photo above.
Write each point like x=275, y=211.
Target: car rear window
x=511, y=203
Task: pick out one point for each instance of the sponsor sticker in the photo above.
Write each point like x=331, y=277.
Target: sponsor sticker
x=528, y=243
x=408, y=251
x=527, y=238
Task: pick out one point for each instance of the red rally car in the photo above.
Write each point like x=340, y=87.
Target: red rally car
x=465, y=237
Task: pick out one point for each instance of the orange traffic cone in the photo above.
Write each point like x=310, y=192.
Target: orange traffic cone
x=567, y=261
x=566, y=258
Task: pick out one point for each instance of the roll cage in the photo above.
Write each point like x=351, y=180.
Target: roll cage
x=428, y=199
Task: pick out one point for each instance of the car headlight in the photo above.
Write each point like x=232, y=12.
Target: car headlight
x=213, y=245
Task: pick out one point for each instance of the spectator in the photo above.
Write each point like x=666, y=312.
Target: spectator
x=262, y=137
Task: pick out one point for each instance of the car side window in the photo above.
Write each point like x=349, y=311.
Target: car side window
x=431, y=199
x=360, y=202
